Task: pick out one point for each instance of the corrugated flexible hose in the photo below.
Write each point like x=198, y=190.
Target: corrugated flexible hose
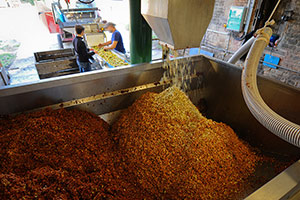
x=281, y=127
x=242, y=51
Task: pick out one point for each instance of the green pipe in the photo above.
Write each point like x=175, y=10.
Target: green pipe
x=140, y=35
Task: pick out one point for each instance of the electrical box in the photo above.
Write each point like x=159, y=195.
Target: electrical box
x=236, y=18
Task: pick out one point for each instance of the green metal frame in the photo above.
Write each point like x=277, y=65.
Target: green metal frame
x=140, y=35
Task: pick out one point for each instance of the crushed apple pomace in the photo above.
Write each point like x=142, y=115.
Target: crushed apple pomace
x=176, y=153
x=160, y=148
x=60, y=154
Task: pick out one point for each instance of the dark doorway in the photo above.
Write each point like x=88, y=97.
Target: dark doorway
x=262, y=13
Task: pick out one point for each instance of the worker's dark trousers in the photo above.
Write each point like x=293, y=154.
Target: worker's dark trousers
x=83, y=66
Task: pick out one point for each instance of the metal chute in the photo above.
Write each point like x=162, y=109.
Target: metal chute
x=178, y=24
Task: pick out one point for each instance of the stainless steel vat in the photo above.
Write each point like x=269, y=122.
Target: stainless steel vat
x=215, y=89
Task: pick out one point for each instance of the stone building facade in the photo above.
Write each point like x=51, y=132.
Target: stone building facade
x=223, y=43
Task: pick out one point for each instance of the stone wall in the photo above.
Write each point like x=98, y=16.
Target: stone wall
x=224, y=43
x=288, y=48
x=217, y=39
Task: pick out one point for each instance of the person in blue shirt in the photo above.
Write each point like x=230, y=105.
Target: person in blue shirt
x=116, y=41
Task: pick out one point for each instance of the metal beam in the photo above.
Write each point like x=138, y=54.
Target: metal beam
x=140, y=35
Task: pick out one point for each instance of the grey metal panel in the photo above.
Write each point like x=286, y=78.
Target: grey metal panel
x=47, y=56
x=2, y=83
x=164, y=34
x=284, y=186
x=225, y=103
x=22, y=98
x=185, y=21
x=4, y=79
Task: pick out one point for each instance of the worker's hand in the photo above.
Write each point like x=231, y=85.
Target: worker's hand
x=105, y=48
x=100, y=45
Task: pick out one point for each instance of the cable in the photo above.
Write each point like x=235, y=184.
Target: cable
x=269, y=21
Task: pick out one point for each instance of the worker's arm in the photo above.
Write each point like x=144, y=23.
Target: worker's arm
x=112, y=46
x=104, y=44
